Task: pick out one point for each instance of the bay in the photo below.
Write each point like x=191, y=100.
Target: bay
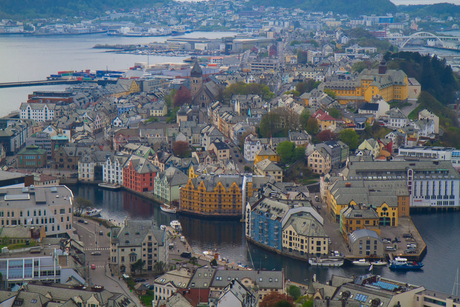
x=439, y=230
x=26, y=58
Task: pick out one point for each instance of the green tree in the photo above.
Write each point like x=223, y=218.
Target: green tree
x=299, y=153
x=307, y=86
x=336, y=113
x=331, y=93
x=286, y=150
x=159, y=268
x=349, y=137
x=294, y=291
x=194, y=260
x=138, y=266
x=80, y=204
x=269, y=125
x=312, y=126
x=359, y=66
x=314, y=43
x=303, y=118
x=283, y=303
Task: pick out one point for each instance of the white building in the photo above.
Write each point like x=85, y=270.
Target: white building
x=112, y=169
x=434, y=153
x=50, y=207
x=378, y=107
x=425, y=114
x=252, y=145
x=167, y=284
x=396, y=119
x=37, y=111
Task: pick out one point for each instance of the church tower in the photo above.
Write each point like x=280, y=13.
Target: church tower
x=196, y=79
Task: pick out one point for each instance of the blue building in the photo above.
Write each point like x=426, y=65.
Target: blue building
x=264, y=222
x=125, y=108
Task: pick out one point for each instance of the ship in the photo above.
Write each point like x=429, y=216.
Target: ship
x=403, y=265
x=168, y=209
x=92, y=212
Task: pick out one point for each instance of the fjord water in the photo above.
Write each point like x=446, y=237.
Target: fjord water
x=439, y=230
x=26, y=58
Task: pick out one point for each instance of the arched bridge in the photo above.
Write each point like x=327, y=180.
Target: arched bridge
x=423, y=35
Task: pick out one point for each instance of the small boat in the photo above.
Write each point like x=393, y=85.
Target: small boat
x=379, y=263
x=92, y=212
x=325, y=261
x=168, y=209
x=402, y=264
x=110, y=186
x=176, y=225
x=361, y=262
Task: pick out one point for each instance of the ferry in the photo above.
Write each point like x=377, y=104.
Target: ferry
x=404, y=265
x=92, y=212
x=168, y=209
x=176, y=225
x=361, y=262
x=325, y=261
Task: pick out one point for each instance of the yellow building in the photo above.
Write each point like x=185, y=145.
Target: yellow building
x=302, y=233
x=124, y=87
x=191, y=173
x=392, y=85
x=267, y=153
x=386, y=197
x=356, y=217
x=217, y=195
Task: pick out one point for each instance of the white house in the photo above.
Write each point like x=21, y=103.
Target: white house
x=112, y=169
x=396, y=119
x=39, y=112
x=425, y=114
x=378, y=107
x=253, y=145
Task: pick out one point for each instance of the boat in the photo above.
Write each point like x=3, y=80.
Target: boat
x=176, y=225
x=168, y=209
x=325, y=261
x=379, y=263
x=92, y=212
x=402, y=264
x=361, y=262
x=110, y=186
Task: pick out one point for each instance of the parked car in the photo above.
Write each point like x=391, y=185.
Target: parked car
x=82, y=221
x=101, y=233
x=186, y=255
x=396, y=240
x=237, y=155
x=386, y=241
x=93, y=266
x=407, y=236
x=390, y=248
x=140, y=279
x=96, y=253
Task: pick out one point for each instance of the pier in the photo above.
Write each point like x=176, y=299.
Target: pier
x=51, y=82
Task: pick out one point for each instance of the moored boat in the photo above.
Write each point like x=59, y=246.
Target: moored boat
x=92, y=212
x=379, y=263
x=168, y=209
x=361, y=262
x=110, y=186
x=317, y=261
x=402, y=264
x=176, y=225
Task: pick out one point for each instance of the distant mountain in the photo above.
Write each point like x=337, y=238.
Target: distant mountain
x=20, y=9
x=435, y=10
x=350, y=7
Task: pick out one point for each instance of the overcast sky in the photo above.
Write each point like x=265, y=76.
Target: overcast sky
x=406, y=2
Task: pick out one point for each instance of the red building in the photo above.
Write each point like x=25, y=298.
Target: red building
x=138, y=174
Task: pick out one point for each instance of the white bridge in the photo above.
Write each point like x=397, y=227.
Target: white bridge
x=440, y=41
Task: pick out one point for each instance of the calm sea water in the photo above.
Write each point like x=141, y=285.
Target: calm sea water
x=25, y=58
x=440, y=232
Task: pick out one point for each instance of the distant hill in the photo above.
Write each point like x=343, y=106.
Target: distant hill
x=21, y=9
x=436, y=10
x=350, y=7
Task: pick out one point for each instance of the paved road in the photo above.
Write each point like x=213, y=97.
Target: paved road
x=406, y=110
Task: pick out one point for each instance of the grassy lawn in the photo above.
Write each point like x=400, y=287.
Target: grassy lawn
x=147, y=299
x=19, y=245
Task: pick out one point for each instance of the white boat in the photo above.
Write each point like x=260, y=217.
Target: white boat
x=176, y=225
x=325, y=261
x=166, y=208
x=92, y=212
x=361, y=262
x=379, y=263
x=110, y=186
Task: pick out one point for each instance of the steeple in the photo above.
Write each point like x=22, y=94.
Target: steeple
x=196, y=71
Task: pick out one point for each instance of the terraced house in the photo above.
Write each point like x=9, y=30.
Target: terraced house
x=167, y=184
x=138, y=174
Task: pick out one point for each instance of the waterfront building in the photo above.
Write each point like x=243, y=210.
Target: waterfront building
x=429, y=183
x=49, y=207
x=138, y=174
x=432, y=298
x=358, y=217
x=137, y=240
x=264, y=281
x=303, y=234
x=270, y=169
x=221, y=195
x=266, y=152
x=167, y=184
x=31, y=157
x=112, y=169
x=90, y=166
x=39, y=112
x=167, y=284
x=389, y=198
x=365, y=243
